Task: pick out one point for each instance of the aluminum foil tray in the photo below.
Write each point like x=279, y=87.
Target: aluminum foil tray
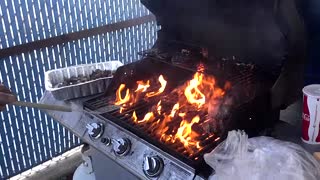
x=91, y=87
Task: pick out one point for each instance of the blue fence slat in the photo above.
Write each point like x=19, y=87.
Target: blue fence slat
x=95, y=53
x=6, y=143
x=13, y=29
x=90, y=50
x=81, y=15
x=50, y=132
x=37, y=26
x=15, y=148
x=103, y=44
x=118, y=12
x=72, y=52
x=17, y=114
x=117, y=44
x=20, y=19
x=31, y=115
x=83, y=51
x=45, y=135
x=62, y=19
x=8, y=37
x=60, y=137
x=38, y=74
x=58, y=53
x=100, y=14
x=31, y=22
x=77, y=50
x=102, y=51
x=23, y=113
x=52, y=21
x=56, y=13
x=112, y=13
x=2, y=38
x=45, y=22
x=8, y=139
x=3, y=171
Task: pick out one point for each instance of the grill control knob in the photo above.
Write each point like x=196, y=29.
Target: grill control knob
x=121, y=146
x=152, y=166
x=95, y=130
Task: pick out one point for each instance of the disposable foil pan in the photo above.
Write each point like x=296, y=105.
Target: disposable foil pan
x=54, y=77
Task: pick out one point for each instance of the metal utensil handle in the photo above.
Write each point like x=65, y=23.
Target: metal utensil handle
x=43, y=106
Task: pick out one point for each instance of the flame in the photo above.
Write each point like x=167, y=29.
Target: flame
x=142, y=87
x=191, y=104
x=175, y=108
x=134, y=116
x=147, y=117
x=182, y=114
x=121, y=109
x=159, y=107
x=218, y=93
x=163, y=83
x=184, y=133
x=192, y=93
x=119, y=99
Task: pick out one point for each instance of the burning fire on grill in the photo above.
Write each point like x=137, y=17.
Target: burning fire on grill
x=179, y=116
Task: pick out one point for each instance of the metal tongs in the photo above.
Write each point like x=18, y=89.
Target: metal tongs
x=44, y=106
x=52, y=107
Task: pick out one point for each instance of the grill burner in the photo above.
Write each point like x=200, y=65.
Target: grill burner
x=249, y=93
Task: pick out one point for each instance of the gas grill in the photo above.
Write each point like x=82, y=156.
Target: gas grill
x=211, y=70
x=249, y=111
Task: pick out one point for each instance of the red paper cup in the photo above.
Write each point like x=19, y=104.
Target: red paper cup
x=311, y=114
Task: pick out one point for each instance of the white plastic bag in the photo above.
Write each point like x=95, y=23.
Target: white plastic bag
x=261, y=158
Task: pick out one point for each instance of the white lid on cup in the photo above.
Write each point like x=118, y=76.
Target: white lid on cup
x=312, y=90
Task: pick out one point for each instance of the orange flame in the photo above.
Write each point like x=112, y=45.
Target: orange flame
x=198, y=95
x=163, y=83
x=175, y=108
x=119, y=99
x=134, y=116
x=147, y=117
x=121, y=109
x=184, y=133
x=142, y=87
x=159, y=107
x=192, y=93
x=182, y=114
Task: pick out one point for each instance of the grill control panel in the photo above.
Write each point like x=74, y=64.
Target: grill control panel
x=133, y=153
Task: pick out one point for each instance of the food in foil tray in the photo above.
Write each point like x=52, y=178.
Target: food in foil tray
x=96, y=74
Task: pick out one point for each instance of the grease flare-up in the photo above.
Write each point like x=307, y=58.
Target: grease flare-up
x=175, y=124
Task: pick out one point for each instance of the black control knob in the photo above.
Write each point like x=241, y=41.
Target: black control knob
x=152, y=166
x=106, y=141
x=121, y=146
x=95, y=130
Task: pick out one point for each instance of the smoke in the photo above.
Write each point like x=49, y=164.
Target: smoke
x=219, y=113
